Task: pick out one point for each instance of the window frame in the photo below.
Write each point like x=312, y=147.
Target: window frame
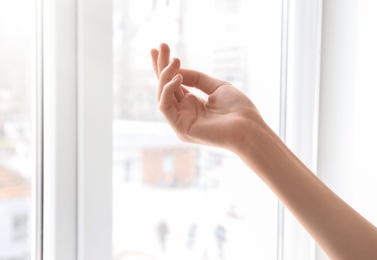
x=36, y=226
x=336, y=99
x=304, y=60
x=77, y=109
x=59, y=133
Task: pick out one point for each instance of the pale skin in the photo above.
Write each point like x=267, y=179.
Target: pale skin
x=228, y=119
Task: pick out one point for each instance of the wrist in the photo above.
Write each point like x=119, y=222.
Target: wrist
x=248, y=135
x=259, y=146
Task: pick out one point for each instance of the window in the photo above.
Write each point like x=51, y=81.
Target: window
x=181, y=200
x=170, y=200
x=17, y=128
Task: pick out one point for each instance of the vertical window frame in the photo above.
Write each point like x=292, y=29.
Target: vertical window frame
x=60, y=130
x=77, y=140
x=304, y=60
x=37, y=136
x=94, y=124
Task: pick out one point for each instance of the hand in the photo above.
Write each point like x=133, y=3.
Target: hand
x=223, y=119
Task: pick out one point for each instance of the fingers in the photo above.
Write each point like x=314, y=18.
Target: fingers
x=160, y=58
x=165, y=69
x=161, y=62
x=168, y=101
x=200, y=81
x=166, y=76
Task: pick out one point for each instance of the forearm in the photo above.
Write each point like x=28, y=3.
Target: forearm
x=335, y=226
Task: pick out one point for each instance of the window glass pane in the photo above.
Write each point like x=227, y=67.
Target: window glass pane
x=16, y=164
x=173, y=200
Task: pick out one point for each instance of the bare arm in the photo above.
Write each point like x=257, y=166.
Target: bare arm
x=337, y=228
x=228, y=119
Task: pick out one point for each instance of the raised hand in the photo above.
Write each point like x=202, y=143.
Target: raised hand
x=228, y=119
x=223, y=119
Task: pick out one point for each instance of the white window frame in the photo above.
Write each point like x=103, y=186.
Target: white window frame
x=77, y=145
x=321, y=125
x=304, y=58
x=36, y=226
x=335, y=108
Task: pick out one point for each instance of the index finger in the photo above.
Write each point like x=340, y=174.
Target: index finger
x=201, y=81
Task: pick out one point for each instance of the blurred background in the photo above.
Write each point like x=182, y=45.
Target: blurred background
x=17, y=63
